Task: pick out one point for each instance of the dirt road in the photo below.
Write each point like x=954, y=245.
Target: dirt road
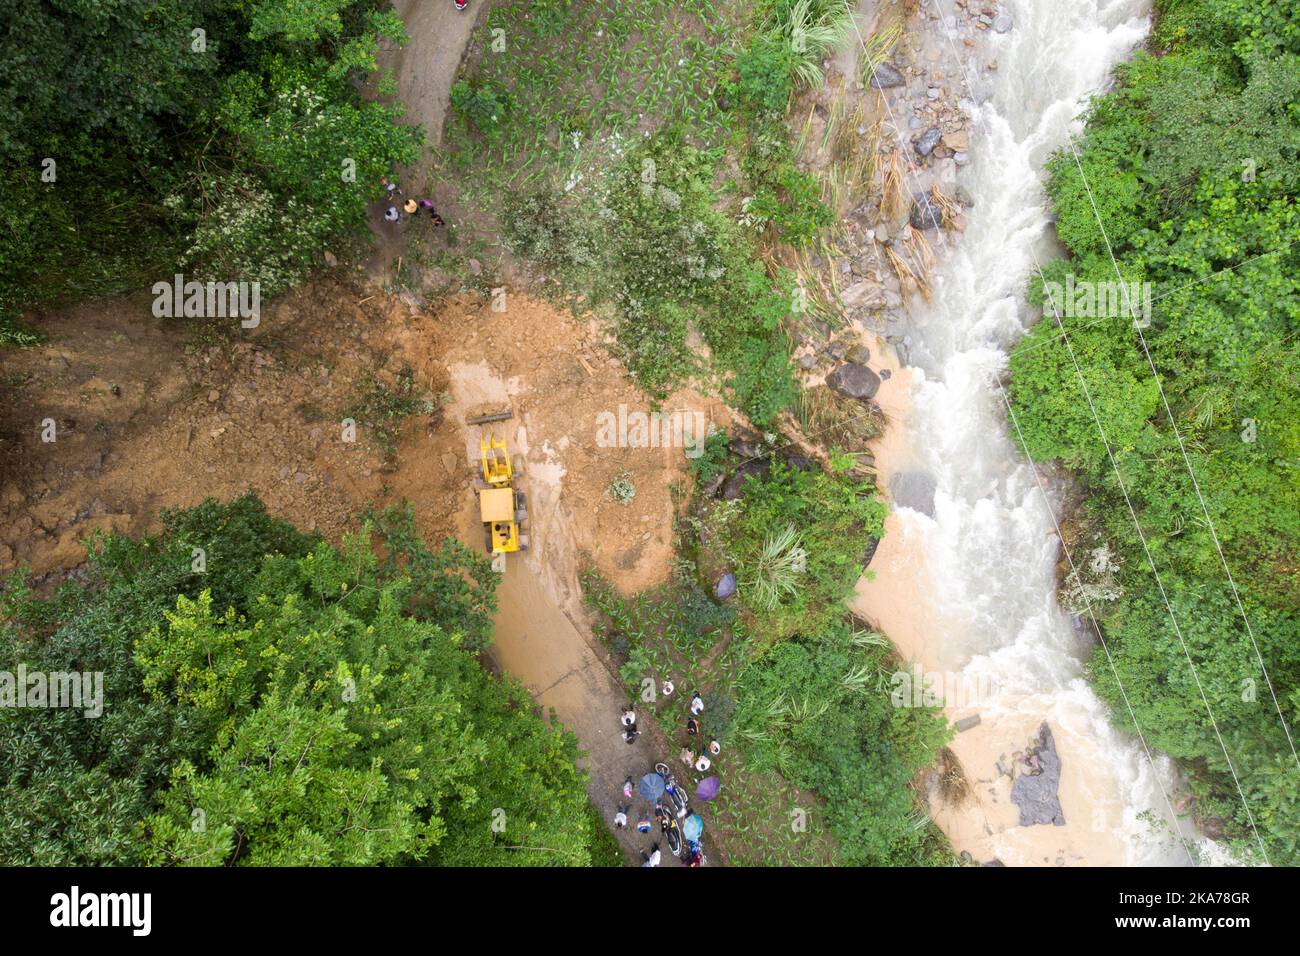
x=426, y=66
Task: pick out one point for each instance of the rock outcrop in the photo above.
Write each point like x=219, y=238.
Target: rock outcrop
x=1036, y=794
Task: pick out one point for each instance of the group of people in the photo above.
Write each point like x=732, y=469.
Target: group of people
x=701, y=763
x=408, y=207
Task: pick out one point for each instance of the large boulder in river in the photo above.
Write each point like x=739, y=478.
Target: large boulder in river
x=915, y=490
x=854, y=381
x=1036, y=793
x=926, y=213
x=885, y=76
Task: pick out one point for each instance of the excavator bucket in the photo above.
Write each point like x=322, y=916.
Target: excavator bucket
x=491, y=417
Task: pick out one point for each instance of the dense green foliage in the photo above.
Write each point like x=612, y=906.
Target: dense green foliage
x=136, y=146
x=835, y=520
x=656, y=247
x=1193, y=163
x=293, y=703
x=818, y=709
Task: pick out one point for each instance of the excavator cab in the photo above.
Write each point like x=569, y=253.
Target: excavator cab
x=497, y=471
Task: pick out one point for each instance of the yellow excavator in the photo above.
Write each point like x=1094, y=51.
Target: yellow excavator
x=502, y=507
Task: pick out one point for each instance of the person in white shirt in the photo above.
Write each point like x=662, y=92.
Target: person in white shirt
x=703, y=764
x=697, y=705
x=620, y=819
x=652, y=858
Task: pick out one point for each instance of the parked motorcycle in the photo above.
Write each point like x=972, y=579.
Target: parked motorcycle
x=668, y=828
x=674, y=795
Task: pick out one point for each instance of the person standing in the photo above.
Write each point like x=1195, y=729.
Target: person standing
x=697, y=705
x=427, y=206
x=620, y=819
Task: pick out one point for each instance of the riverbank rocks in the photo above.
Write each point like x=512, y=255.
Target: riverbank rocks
x=863, y=295
x=1002, y=23
x=915, y=490
x=854, y=381
x=928, y=141
x=957, y=141
x=885, y=76
x=926, y=213
x=1036, y=794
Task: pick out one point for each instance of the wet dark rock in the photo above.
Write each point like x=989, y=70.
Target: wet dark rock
x=854, y=381
x=870, y=553
x=859, y=355
x=915, y=490
x=926, y=213
x=735, y=485
x=746, y=444
x=928, y=141
x=884, y=76
x=800, y=463
x=1037, y=794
